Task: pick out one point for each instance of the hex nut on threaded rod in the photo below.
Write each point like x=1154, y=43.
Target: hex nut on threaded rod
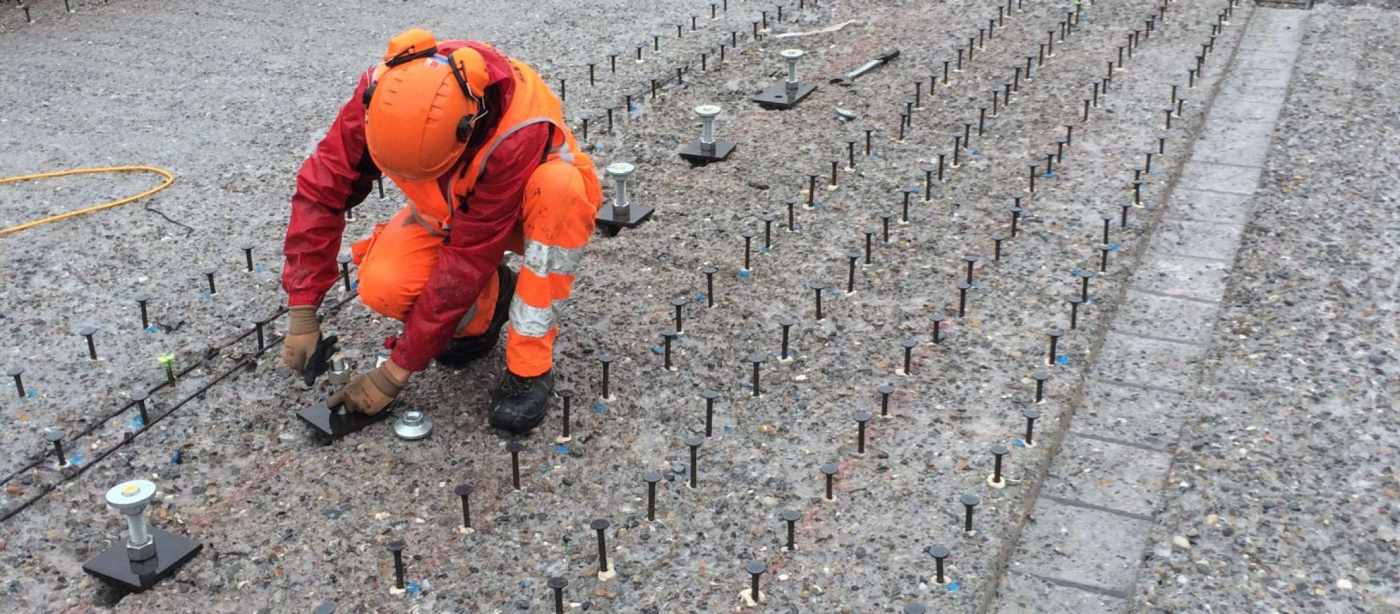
x=706, y=149
x=787, y=94
x=621, y=212
x=148, y=554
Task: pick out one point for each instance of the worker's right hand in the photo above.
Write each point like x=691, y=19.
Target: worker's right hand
x=303, y=333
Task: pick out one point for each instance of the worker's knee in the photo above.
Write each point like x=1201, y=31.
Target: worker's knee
x=394, y=265
x=383, y=291
x=557, y=207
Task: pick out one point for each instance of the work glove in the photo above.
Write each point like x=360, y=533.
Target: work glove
x=369, y=393
x=303, y=333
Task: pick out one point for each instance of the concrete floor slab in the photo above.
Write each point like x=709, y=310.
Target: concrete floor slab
x=1218, y=177
x=1243, y=142
x=1144, y=360
x=1082, y=545
x=1163, y=316
x=1202, y=280
x=1027, y=594
x=1200, y=239
x=1128, y=413
x=1199, y=205
x=1109, y=474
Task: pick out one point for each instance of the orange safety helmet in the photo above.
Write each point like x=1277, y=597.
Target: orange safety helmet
x=421, y=106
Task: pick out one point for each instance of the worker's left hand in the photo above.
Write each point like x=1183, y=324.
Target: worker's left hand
x=369, y=393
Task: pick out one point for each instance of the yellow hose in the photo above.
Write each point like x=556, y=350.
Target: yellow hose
x=169, y=178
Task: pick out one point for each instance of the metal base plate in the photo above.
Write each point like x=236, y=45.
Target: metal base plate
x=113, y=566
x=695, y=153
x=338, y=424
x=776, y=96
x=612, y=222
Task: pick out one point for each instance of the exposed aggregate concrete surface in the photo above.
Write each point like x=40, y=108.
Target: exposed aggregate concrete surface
x=1284, y=494
x=232, y=97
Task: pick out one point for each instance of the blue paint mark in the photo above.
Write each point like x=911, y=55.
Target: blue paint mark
x=413, y=589
x=1049, y=175
x=258, y=268
x=972, y=152
x=762, y=250
x=1062, y=359
x=1018, y=443
x=75, y=459
x=600, y=408
x=656, y=349
x=30, y=393
x=1113, y=247
x=153, y=329
x=561, y=449
x=178, y=457
x=744, y=273
x=700, y=297
x=953, y=587
x=728, y=428
x=135, y=423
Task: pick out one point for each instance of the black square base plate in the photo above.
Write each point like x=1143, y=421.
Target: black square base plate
x=695, y=153
x=113, y=566
x=337, y=424
x=611, y=221
x=776, y=96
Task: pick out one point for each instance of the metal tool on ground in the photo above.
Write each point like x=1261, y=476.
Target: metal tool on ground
x=148, y=554
x=320, y=360
x=787, y=94
x=880, y=60
x=413, y=425
x=707, y=148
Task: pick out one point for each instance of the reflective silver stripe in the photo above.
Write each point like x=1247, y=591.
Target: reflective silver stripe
x=486, y=154
x=545, y=259
x=529, y=320
x=414, y=216
x=466, y=320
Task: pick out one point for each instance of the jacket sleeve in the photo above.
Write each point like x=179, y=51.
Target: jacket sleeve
x=480, y=230
x=337, y=176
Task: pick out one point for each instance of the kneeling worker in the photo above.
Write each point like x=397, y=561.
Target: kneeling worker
x=477, y=143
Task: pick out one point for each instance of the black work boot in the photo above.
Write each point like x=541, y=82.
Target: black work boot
x=462, y=350
x=519, y=404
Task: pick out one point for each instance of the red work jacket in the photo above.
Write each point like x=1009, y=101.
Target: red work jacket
x=340, y=173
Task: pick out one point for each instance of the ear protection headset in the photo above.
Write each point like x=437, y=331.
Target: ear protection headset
x=464, y=125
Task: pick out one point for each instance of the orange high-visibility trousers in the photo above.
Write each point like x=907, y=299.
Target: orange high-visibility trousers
x=396, y=260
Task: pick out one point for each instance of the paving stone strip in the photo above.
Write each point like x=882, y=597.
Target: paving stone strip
x=1080, y=549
